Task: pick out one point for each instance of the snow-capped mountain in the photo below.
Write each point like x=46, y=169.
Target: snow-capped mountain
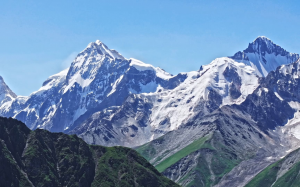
x=264, y=56
x=98, y=78
x=232, y=144
x=233, y=113
x=5, y=92
x=224, y=81
x=108, y=99
x=147, y=116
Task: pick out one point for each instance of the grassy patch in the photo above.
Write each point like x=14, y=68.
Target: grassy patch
x=265, y=178
x=290, y=178
x=158, y=159
x=210, y=171
x=196, y=145
x=146, y=151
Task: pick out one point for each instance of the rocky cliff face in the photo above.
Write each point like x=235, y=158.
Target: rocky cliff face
x=147, y=116
x=234, y=143
x=100, y=80
x=225, y=81
x=97, y=79
x=6, y=94
x=110, y=100
x=283, y=173
x=41, y=158
x=264, y=56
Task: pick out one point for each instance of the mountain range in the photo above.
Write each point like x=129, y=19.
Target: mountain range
x=221, y=125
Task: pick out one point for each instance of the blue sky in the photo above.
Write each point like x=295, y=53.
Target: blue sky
x=39, y=39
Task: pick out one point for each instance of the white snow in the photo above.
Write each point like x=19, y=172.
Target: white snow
x=272, y=62
x=263, y=63
x=288, y=69
x=178, y=104
x=152, y=137
x=277, y=95
x=293, y=125
x=262, y=37
x=114, y=87
x=53, y=81
x=105, y=50
x=141, y=66
x=295, y=105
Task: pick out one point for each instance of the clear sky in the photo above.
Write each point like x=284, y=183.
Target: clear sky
x=39, y=38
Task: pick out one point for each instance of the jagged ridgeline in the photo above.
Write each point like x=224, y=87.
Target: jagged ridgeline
x=41, y=158
x=234, y=143
x=217, y=126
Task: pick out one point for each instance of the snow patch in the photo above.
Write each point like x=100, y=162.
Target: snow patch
x=295, y=105
x=114, y=87
x=141, y=66
x=52, y=81
x=277, y=95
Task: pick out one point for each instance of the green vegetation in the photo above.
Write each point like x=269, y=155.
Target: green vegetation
x=214, y=160
x=269, y=176
x=55, y=160
x=196, y=145
x=290, y=178
x=265, y=178
x=147, y=150
x=212, y=166
x=117, y=161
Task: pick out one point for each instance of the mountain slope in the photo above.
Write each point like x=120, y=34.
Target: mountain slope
x=147, y=116
x=264, y=56
x=98, y=78
x=225, y=81
x=205, y=150
x=5, y=92
x=97, y=95
x=283, y=173
x=265, y=125
x=41, y=158
x=198, y=124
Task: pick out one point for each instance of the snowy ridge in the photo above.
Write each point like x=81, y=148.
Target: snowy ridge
x=161, y=110
x=179, y=104
x=291, y=69
x=264, y=56
x=96, y=76
x=53, y=81
x=104, y=50
x=85, y=67
x=141, y=66
x=101, y=82
x=257, y=44
x=6, y=94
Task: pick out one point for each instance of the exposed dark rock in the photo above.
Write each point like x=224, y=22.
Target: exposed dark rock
x=40, y=158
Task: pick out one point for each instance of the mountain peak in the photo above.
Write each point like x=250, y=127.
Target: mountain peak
x=264, y=56
x=100, y=48
x=262, y=38
x=98, y=42
x=263, y=45
x=5, y=92
x=264, y=41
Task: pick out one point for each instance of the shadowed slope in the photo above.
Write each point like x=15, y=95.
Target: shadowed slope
x=41, y=158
